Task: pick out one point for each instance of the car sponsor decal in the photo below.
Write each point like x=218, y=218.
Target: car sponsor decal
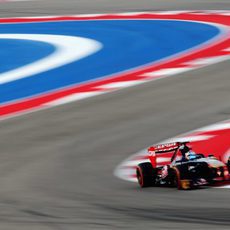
x=52, y=60
x=213, y=139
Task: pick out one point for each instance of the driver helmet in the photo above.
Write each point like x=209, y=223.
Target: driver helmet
x=190, y=155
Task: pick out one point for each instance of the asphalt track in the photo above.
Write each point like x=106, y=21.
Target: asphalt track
x=56, y=166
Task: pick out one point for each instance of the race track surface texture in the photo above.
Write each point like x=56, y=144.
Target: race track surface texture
x=55, y=7
x=56, y=166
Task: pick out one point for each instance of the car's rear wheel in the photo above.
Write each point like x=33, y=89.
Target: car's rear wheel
x=176, y=179
x=146, y=174
x=182, y=183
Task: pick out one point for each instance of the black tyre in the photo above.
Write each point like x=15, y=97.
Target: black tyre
x=146, y=174
x=176, y=178
x=178, y=182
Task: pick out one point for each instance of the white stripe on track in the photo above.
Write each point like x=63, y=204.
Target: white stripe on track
x=67, y=49
x=73, y=97
x=121, y=84
x=167, y=72
x=208, y=61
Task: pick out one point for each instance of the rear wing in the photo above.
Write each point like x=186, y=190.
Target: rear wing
x=164, y=148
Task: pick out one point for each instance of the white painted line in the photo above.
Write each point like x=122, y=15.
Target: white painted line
x=167, y=72
x=225, y=186
x=189, y=138
x=121, y=84
x=171, y=12
x=68, y=49
x=88, y=15
x=208, y=61
x=73, y=97
x=132, y=13
x=215, y=127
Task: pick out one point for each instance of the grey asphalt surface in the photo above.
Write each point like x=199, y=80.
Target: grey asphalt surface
x=55, y=7
x=56, y=165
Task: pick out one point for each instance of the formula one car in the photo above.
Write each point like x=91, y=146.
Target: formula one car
x=187, y=169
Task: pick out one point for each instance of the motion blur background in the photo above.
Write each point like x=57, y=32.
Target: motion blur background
x=56, y=165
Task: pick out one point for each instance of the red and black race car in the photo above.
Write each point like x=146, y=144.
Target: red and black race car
x=187, y=169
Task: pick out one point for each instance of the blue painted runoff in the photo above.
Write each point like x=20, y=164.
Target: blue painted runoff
x=127, y=44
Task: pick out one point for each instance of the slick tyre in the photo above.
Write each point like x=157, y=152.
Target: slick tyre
x=146, y=175
x=176, y=179
x=181, y=184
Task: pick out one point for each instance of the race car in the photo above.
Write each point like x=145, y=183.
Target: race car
x=187, y=169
